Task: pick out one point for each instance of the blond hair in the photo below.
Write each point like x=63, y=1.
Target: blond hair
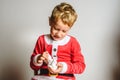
x=65, y=12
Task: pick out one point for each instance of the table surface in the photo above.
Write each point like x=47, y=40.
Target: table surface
x=37, y=77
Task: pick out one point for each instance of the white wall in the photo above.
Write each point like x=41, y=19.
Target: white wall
x=97, y=27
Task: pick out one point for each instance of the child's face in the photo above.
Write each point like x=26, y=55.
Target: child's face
x=59, y=31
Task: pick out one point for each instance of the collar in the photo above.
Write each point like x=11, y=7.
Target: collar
x=64, y=41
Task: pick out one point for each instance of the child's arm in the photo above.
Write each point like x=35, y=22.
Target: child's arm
x=38, y=50
x=77, y=64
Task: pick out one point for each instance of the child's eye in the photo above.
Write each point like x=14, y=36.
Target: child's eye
x=64, y=31
x=56, y=29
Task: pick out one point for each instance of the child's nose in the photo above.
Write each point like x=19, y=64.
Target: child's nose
x=59, y=34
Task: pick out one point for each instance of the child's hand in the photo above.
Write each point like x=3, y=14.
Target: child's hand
x=43, y=57
x=58, y=70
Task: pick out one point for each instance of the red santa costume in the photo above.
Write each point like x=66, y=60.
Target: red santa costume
x=66, y=51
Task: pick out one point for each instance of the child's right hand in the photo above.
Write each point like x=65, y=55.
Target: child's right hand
x=43, y=57
x=58, y=70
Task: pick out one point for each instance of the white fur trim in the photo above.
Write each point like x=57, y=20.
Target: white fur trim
x=54, y=52
x=35, y=60
x=64, y=67
x=64, y=41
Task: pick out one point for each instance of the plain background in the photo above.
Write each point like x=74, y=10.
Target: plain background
x=97, y=30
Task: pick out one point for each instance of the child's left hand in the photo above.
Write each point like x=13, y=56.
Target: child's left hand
x=58, y=70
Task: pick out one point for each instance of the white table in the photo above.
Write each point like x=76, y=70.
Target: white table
x=37, y=77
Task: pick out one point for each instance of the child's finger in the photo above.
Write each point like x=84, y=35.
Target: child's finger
x=50, y=70
x=42, y=58
x=40, y=61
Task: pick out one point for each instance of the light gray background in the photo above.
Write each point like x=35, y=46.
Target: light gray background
x=97, y=27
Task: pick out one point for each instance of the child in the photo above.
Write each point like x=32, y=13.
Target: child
x=59, y=54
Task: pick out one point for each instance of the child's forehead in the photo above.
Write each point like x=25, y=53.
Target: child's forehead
x=60, y=23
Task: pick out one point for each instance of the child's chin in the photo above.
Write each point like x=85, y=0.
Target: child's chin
x=56, y=39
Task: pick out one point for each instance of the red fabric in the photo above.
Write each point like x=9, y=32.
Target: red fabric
x=69, y=53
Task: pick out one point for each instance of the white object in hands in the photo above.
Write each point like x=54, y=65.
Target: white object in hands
x=52, y=62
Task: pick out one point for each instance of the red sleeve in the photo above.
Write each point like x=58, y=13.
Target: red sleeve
x=37, y=50
x=77, y=65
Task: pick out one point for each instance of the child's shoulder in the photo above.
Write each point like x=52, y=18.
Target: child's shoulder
x=72, y=37
x=43, y=35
